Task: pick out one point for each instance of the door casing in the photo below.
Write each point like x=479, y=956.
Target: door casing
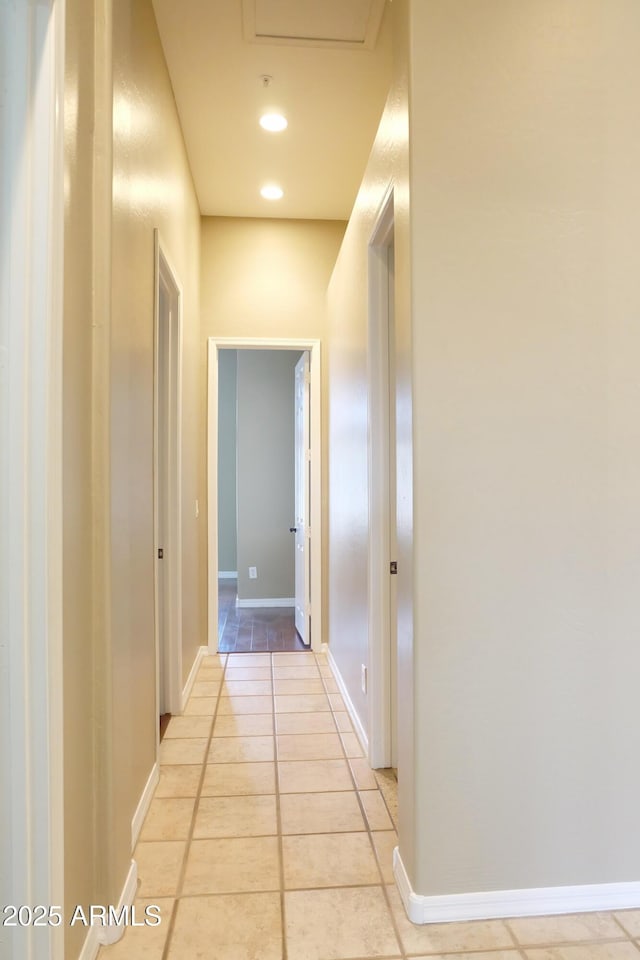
x=214, y=345
x=302, y=489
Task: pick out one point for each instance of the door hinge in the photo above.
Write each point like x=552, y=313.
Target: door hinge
x=308, y=455
x=393, y=567
x=160, y=553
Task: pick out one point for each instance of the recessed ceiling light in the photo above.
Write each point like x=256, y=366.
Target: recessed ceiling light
x=271, y=192
x=273, y=122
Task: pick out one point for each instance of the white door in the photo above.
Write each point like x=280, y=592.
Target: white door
x=384, y=496
x=302, y=491
x=393, y=511
x=167, y=490
x=164, y=382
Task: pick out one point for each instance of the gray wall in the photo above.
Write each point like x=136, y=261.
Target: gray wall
x=227, y=386
x=266, y=472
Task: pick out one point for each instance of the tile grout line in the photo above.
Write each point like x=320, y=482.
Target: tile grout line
x=283, y=917
x=561, y=944
x=187, y=849
x=518, y=946
x=383, y=884
x=624, y=929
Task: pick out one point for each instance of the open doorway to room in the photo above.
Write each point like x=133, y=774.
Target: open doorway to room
x=264, y=495
x=263, y=438
x=383, y=567
x=167, y=484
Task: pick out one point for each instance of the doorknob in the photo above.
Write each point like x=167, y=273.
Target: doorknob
x=293, y=529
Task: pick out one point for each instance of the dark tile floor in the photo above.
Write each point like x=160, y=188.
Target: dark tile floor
x=253, y=629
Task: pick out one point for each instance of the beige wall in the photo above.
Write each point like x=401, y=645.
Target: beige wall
x=267, y=278
x=350, y=510
x=87, y=129
x=525, y=224
x=109, y=655
x=152, y=187
x=266, y=494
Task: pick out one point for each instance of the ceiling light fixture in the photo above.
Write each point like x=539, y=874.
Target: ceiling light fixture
x=271, y=192
x=273, y=122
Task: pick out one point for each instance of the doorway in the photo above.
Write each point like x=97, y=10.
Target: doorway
x=263, y=438
x=309, y=476
x=383, y=605
x=167, y=486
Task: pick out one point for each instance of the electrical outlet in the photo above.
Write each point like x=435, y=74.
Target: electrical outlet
x=253, y=573
x=363, y=678
x=197, y=509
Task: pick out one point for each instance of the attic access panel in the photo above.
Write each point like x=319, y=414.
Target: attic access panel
x=352, y=24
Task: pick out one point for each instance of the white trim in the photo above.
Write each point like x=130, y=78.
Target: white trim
x=144, y=804
x=351, y=710
x=112, y=932
x=164, y=271
x=212, y=496
x=193, y=673
x=214, y=345
x=267, y=602
x=99, y=935
x=227, y=574
x=379, y=507
x=31, y=548
x=499, y=904
x=91, y=945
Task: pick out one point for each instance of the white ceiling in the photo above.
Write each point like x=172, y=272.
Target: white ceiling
x=330, y=64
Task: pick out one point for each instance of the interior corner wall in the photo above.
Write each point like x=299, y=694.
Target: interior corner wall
x=152, y=188
x=525, y=226
x=268, y=278
x=227, y=460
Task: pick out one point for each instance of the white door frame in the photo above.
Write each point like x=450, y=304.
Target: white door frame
x=379, y=507
x=302, y=491
x=214, y=345
x=172, y=561
x=31, y=557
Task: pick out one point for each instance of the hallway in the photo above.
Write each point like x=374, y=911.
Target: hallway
x=267, y=819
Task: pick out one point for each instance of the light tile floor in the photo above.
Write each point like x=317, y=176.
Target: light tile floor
x=269, y=838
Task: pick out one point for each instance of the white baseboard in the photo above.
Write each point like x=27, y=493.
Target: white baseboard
x=500, y=904
x=227, y=574
x=193, y=673
x=111, y=933
x=143, y=805
x=324, y=648
x=91, y=945
x=355, y=719
x=99, y=935
x=268, y=602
